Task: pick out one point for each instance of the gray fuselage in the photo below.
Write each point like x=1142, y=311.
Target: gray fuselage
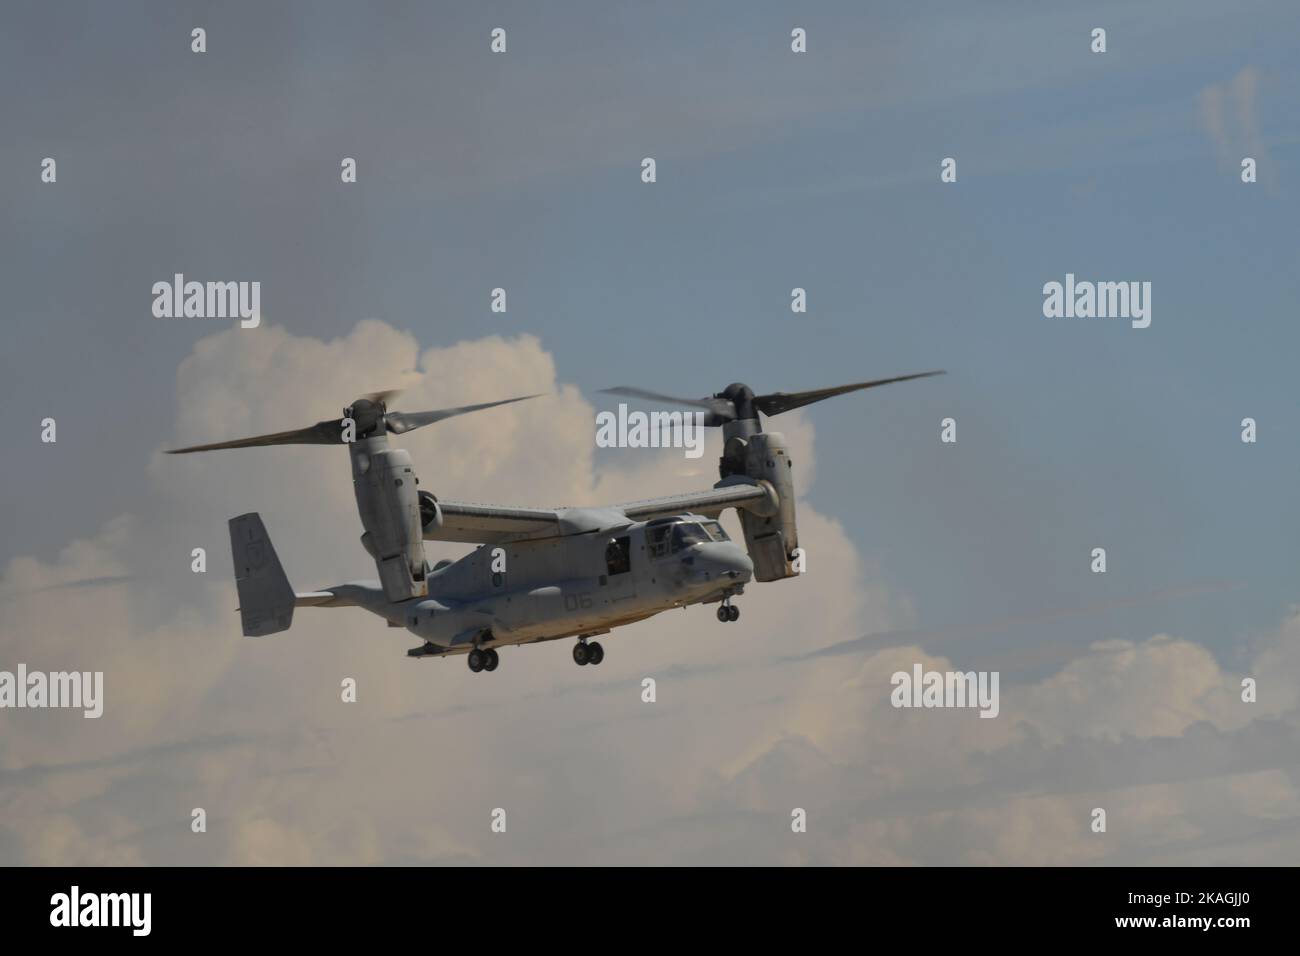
x=573, y=585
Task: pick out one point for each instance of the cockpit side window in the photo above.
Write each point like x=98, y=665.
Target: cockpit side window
x=715, y=531
x=657, y=540
x=685, y=535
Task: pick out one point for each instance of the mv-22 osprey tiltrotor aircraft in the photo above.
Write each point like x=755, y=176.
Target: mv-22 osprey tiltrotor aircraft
x=540, y=574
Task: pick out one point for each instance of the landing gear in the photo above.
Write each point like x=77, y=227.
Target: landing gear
x=482, y=659
x=728, y=612
x=584, y=653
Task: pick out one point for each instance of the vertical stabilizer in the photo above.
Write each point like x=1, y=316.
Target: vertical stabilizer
x=265, y=598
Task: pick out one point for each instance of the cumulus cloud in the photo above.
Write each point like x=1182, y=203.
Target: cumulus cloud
x=745, y=727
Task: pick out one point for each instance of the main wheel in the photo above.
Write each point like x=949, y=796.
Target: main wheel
x=475, y=660
x=595, y=653
x=581, y=654
x=493, y=659
x=724, y=613
x=733, y=613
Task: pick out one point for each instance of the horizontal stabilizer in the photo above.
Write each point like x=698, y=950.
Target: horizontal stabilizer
x=314, y=599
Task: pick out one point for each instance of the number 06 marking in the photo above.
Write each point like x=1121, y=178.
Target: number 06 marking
x=573, y=602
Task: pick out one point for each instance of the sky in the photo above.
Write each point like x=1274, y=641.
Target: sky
x=775, y=170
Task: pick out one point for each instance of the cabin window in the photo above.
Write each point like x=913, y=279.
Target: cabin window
x=618, y=556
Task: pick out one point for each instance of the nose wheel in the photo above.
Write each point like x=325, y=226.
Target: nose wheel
x=728, y=612
x=482, y=659
x=585, y=653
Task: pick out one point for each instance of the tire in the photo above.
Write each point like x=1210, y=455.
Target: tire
x=724, y=613
x=493, y=659
x=580, y=654
x=733, y=613
x=595, y=653
x=475, y=660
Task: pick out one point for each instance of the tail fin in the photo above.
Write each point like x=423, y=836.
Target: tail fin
x=265, y=598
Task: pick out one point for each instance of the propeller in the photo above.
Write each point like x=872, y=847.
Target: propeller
x=738, y=401
x=370, y=414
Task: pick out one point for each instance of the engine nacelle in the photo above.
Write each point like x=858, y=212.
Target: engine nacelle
x=389, y=506
x=771, y=539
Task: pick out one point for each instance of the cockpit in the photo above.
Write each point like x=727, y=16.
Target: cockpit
x=694, y=553
x=677, y=534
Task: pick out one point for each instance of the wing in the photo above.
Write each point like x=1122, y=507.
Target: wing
x=489, y=524
x=732, y=493
x=470, y=521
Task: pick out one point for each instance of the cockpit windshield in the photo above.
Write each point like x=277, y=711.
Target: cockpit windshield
x=715, y=531
x=687, y=534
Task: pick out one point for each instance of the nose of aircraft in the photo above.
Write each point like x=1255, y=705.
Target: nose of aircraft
x=721, y=560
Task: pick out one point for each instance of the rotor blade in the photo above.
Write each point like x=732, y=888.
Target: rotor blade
x=779, y=402
x=399, y=422
x=706, y=403
x=322, y=433
x=721, y=410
